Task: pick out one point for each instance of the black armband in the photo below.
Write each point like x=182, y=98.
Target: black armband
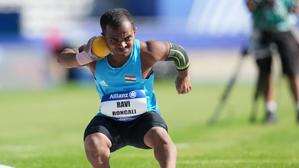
x=179, y=56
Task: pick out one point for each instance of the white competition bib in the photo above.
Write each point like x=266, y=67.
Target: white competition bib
x=124, y=106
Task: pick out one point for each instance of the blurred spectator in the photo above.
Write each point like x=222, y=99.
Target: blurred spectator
x=56, y=44
x=272, y=20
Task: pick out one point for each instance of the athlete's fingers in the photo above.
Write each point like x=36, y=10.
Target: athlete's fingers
x=186, y=90
x=183, y=90
x=183, y=85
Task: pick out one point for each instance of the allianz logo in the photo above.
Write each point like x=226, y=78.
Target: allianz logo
x=132, y=95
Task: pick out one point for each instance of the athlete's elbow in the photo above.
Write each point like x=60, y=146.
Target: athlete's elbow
x=66, y=65
x=62, y=62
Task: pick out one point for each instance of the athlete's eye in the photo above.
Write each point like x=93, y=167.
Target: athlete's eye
x=113, y=40
x=128, y=38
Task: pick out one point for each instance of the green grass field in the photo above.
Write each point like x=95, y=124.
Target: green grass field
x=45, y=129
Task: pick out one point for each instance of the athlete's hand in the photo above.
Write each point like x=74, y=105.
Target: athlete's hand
x=182, y=82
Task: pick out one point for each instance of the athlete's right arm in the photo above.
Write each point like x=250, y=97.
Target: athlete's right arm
x=67, y=58
x=70, y=58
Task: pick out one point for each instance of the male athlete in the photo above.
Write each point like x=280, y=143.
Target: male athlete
x=129, y=113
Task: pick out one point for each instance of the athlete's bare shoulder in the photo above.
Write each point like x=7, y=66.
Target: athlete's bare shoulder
x=154, y=50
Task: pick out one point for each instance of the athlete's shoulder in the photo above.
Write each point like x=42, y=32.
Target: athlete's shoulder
x=154, y=50
x=154, y=46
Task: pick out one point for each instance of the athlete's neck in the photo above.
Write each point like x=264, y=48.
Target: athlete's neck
x=115, y=61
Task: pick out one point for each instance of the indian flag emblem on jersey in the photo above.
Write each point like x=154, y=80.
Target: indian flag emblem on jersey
x=130, y=79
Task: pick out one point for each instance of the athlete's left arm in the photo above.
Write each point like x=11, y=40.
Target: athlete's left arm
x=179, y=56
x=165, y=51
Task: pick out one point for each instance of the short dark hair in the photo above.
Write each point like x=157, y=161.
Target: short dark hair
x=114, y=18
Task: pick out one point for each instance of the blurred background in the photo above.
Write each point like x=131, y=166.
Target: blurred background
x=33, y=33
x=43, y=114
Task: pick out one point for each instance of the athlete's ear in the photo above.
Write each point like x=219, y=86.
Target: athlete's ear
x=135, y=29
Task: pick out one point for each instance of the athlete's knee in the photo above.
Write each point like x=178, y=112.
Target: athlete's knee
x=158, y=136
x=97, y=148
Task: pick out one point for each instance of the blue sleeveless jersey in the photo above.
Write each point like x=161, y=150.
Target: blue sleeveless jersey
x=124, y=82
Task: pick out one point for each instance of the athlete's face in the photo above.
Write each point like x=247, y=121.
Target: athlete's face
x=120, y=41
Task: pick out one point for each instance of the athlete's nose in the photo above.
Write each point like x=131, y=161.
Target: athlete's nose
x=122, y=44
